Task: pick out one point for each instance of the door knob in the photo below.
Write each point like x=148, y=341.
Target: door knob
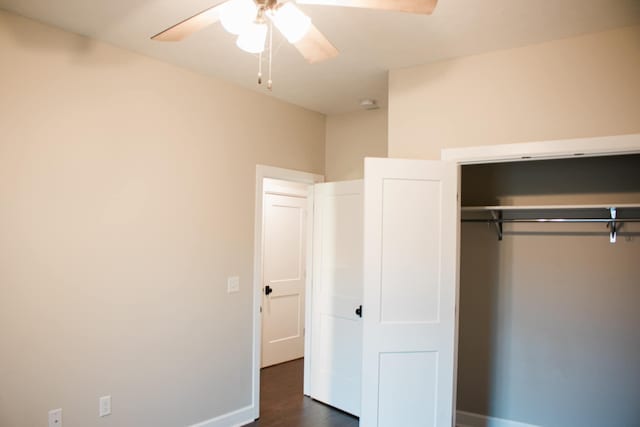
x=359, y=311
x=267, y=290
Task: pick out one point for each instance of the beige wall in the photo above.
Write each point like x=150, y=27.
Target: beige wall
x=350, y=138
x=126, y=199
x=579, y=87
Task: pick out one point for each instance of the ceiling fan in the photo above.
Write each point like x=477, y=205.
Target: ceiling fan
x=252, y=21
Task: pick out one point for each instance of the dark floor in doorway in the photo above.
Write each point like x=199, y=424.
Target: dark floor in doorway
x=282, y=403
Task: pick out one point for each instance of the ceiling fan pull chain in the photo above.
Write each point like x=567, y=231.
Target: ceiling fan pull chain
x=260, y=68
x=270, y=82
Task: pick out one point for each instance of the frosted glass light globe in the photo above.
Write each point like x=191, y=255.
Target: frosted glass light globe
x=253, y=38
x=237, y=14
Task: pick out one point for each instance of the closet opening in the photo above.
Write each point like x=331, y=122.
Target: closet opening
x=548, y=320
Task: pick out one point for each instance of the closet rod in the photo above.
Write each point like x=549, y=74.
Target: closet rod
x=582, y=220
x=612, y=223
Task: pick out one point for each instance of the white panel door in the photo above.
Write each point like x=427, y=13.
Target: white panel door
x=410, y=282
x=284, y=278
x=336, y=345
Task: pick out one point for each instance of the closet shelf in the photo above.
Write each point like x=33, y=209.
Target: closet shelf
x=498, y=218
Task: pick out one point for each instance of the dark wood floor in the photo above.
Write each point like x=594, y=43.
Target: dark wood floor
x=282, y=403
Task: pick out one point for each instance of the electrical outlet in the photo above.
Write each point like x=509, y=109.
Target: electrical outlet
x=104, y=406
x=233, y=284
x=55, y=417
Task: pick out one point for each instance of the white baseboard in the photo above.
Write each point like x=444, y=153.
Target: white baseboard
x=236, y=418
x=468, y=419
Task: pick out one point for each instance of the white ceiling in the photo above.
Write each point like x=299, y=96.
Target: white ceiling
x=370, y=42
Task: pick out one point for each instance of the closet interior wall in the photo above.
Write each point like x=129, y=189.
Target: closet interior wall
x=549, y=316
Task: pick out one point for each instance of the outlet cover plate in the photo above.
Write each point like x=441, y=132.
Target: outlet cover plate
x=55, y=417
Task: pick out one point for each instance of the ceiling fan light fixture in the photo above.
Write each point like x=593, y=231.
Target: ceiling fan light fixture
x=291, y=21
x=236, y=15
x=253, y=37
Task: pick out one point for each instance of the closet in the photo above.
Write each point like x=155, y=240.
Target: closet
x=549, y=300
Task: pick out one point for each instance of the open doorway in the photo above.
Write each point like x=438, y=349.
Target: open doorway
x=542, y=251
x=308, y=287
x=547, y=291
x=283, y=227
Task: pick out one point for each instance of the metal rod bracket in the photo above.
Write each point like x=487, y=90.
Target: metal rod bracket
x=497, y=222
x=613, y=225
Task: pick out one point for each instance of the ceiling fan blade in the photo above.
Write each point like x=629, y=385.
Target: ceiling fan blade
x=190, y=25
x=315, y=47
x=424, y=7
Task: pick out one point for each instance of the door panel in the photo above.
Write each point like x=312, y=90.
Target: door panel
x=284, y=323
x=407, y=286
x=410, y=277
x=408, y=388
x=283, y=272
x=336, y=355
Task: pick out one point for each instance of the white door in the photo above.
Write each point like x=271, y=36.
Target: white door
x=410, y=282
x=336, y=346
x=284, y=218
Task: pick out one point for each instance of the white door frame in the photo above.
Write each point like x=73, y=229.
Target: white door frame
x=531, y=151
x=294, y=176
